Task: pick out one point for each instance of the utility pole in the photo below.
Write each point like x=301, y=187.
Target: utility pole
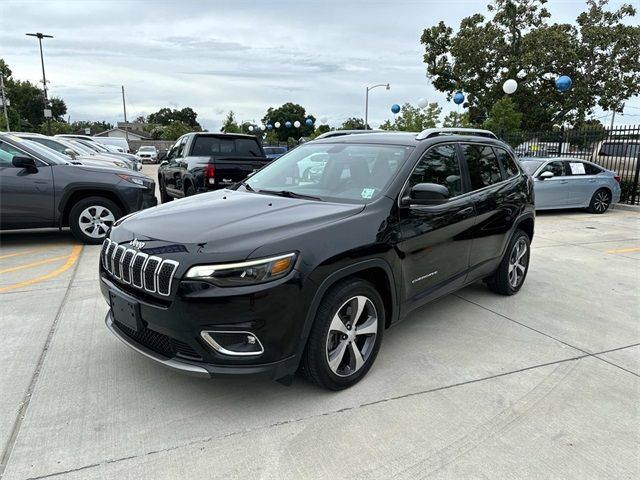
x=4, y=102
x=40, y=36
x=126, y=124
x=613, y=117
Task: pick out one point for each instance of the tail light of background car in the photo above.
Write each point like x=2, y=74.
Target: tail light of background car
x=617, y=178
x=210, y=175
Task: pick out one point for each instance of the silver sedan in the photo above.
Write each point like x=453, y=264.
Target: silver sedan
x=572, y=183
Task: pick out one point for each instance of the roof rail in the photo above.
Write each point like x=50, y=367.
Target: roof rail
x=340, y=133
x=434, y=132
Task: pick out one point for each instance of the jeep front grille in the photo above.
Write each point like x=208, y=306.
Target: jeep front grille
x=149, y=273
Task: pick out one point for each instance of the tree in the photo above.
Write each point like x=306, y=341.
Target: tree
x=94, y=127
x=414, y=119
x=353, y=123
x=289, y=112
x=503, y=117
x=230, y=125
x=600, y=53
x=175, y=130
x=455, y=119
x=165, y=116
x=57, y=126
x=320, y=129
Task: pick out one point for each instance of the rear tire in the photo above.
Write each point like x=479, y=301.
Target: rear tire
x=345, y=336
x=600, y=201
x=512, y=272
x=91, y=219
x=189, y=191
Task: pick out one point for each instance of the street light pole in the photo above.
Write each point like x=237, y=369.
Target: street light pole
x=366, y=103
x=40, y=36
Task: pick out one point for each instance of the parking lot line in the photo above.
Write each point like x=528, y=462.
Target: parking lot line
x=19, y=254
x=33, y=264
x=624, y=250
x=72, y=258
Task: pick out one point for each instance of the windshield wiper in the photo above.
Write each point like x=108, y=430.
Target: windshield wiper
x=289, y=194
x=246, y=186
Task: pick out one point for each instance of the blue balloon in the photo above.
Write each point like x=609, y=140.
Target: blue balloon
x=308, y=122
x=564, y=83
x=269, y=127
x=458, y=98
x=287, y=124
x=395, y=108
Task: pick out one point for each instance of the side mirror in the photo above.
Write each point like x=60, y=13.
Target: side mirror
x=27, y=163
x=70, y=153
x=545, y=175
x=427, y=194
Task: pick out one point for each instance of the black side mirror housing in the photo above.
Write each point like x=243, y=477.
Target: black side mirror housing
x=27, y=163
x=427, y=194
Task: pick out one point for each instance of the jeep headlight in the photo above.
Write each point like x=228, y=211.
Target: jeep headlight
x=240, y=274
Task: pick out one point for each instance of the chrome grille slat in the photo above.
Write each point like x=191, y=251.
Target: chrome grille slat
x=132, y=267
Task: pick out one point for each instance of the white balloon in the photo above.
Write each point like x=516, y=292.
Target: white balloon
x=423, y=102
x=263, y=126
x=251, y=128
x=277, y=124
x=296, y=124
x=510, y=86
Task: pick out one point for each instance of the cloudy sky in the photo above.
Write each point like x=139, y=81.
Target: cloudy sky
x=237, y=55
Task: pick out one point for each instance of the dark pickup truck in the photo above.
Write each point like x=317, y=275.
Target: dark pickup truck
x=201, y=162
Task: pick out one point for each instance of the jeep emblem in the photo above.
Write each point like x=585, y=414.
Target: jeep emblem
x=135, y=243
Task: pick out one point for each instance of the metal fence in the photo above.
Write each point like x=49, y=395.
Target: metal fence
x=616, y=149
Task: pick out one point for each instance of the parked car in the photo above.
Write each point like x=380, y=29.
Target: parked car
x=148, y=153
x=40, y=190
x=201, y=162
x=619, y=154
x=271, y=273
x=74, y=151
x=119, y=142
x=572, y=183
x=134, y=161
x=274, y=152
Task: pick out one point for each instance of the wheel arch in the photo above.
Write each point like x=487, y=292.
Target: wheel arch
x=73, y=196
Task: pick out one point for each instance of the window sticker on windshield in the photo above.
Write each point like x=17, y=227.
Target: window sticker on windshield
x=367, y=193
x=577, y=168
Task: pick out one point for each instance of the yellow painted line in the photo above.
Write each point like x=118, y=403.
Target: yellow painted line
x=625, y=250
x=72, y=258
x=25, y=252
x=33, y=264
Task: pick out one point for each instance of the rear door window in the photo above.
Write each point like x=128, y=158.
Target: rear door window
x=484, y=169
x=591, y=169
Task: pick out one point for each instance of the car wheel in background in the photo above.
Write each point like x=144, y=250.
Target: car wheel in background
x=164, y=196
x=600, y=201
x=91, y=218
x=189, y=191
x=345, y=336
x=510, y=275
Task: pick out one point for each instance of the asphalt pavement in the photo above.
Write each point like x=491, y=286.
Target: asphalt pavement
x=545, y=384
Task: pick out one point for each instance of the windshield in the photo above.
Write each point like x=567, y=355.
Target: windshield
x=147, y=149
x=46, y=152
x=350, y=173
x=93, y=146
x=530, y=166
x=78, y=147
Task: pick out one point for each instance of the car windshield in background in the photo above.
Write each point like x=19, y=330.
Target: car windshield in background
x=274, y=150
x=84, y=150
x=47, y=152
x=350, y=173
x=207, y=146
x=147, y=149
x=530, y=166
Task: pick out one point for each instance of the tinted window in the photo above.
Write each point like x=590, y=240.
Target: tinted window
x=508, y=163
x=611, y=149
x=180, y=150
x=207, y=146
x=591, y=169
x=484, y=169
x=439, y=165
x=557, y=168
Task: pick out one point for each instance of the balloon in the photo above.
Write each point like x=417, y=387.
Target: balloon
x=269, y=127
x=458, y=98
x=287, y=124
x=423, y=102
x=564, y=83
x=251, y=128
x=263, y=126
x=296, y=124
x=277, y=124
x=395, y=108
x=510, y=86
x=308, y=122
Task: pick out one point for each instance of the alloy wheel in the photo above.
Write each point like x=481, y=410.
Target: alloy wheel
x=352, y=336
x=601, y=202
x=95, y=221
x=518, y=263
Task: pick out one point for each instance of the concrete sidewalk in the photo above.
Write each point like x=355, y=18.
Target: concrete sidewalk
x=545, y=384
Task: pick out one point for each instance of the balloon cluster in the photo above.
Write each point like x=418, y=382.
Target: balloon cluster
x=288, y=124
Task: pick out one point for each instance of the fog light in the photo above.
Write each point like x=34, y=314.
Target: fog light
x=239, y=344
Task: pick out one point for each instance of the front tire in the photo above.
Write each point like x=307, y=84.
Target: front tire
x=189, y=191
x=91, y=218
x=512, y=272
x=345, y=336
x=164, y=196
x=600, y=201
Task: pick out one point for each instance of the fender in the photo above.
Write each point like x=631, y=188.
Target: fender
x=70, y=190
x=337, y=276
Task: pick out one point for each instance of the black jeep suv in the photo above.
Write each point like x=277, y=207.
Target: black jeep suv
x=286, y=270
x=40, y=188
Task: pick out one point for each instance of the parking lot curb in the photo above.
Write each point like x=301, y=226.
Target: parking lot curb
x=626, y=207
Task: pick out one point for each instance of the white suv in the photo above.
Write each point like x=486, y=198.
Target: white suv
x=148, y=153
